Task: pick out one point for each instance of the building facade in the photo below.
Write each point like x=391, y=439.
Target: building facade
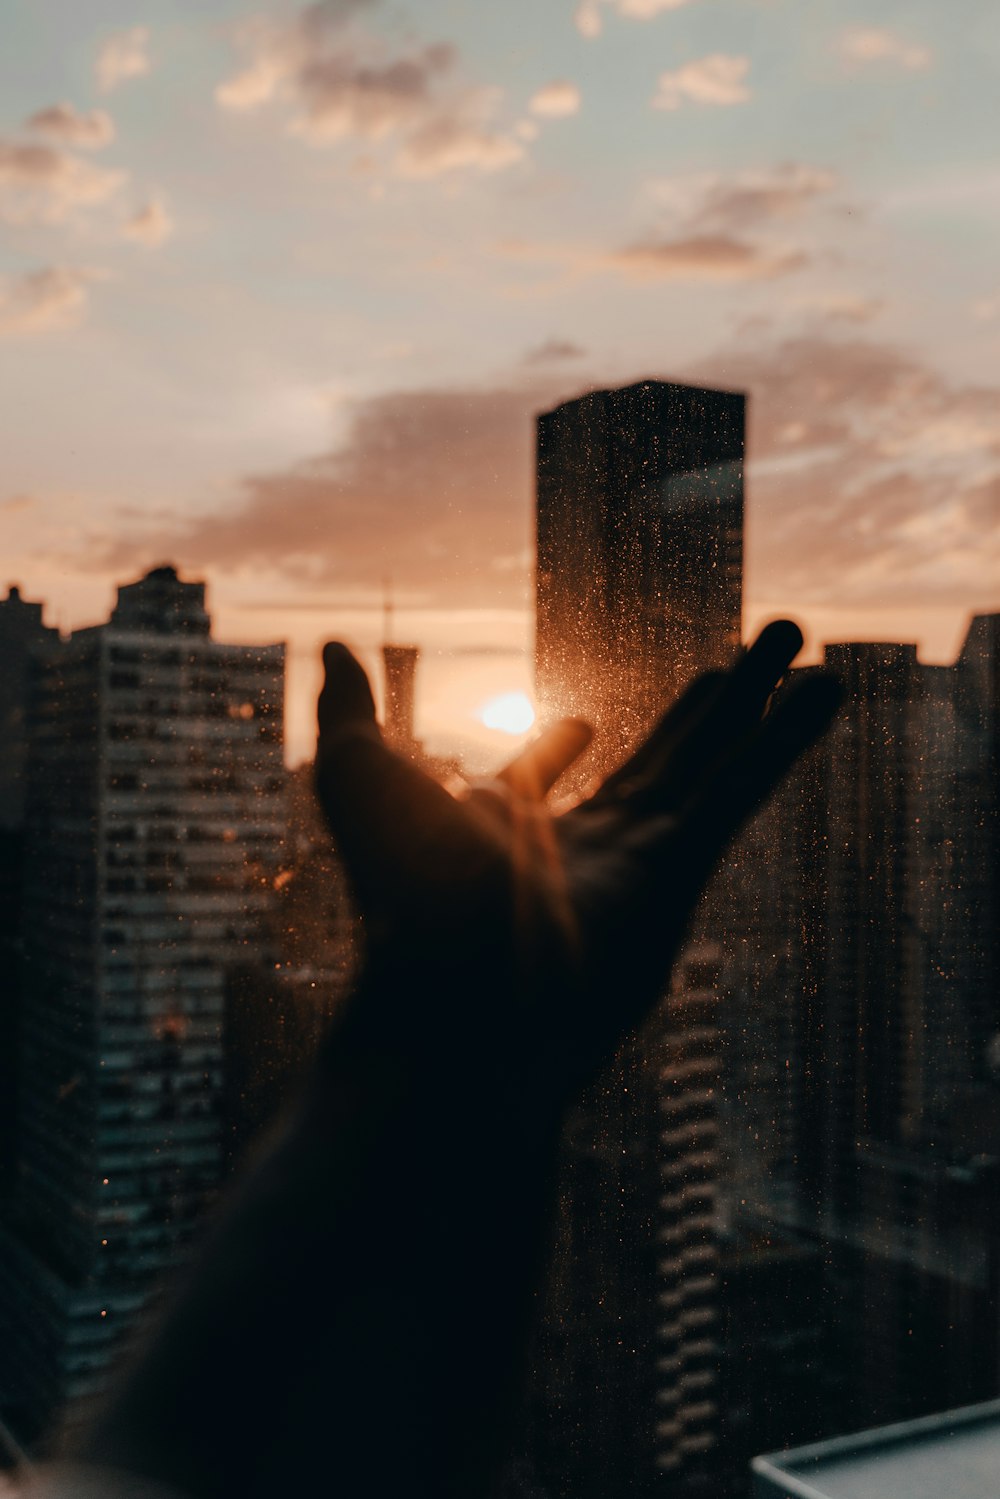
x=877, y=1139
x=638, y=589
x=640, y=550
x=153, y=834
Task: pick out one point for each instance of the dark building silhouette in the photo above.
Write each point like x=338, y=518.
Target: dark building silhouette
x=639, y=588
x=24, y=639
x=25, y=642
x=853, y=1173
x=153, y=826
x=400, y=667
x=774, y=1371
x=640, y=546
x=878, y=1139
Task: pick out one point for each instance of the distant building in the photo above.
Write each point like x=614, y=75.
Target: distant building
x=24, y=638
x=25, y=641
x=774, y=1376
x=400, y=667
x=154, y=822
x=878, y=1137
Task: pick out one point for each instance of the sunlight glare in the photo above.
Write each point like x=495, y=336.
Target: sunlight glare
x=511, y=712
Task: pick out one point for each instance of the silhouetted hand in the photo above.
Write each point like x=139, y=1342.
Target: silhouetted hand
x=491, y=924
x=357, y=1324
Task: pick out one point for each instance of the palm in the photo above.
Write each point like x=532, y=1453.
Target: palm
x=550, y=937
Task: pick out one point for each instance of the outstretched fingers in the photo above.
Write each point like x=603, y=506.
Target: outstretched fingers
x=719, y=719
x=534, y=772
x=740, y=781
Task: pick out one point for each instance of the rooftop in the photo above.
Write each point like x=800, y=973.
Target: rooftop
x=955, y=1455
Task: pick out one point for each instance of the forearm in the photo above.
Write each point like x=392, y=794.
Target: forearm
x=359, y=1312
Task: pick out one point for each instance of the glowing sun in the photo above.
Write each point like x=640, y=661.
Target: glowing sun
x=511, y=712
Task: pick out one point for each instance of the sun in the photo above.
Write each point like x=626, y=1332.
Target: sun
x=510, y=712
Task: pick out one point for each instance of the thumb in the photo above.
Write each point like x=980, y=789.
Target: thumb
x=388, y=819
x=345, y=703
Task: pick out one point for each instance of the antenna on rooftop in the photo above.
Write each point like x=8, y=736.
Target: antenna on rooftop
x=386, y=609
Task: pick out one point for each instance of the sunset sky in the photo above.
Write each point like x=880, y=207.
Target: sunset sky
x=281, y=288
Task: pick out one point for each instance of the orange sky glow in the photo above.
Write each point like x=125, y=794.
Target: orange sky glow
x=287, y=325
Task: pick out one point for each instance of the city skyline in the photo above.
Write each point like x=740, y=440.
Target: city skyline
x=328, y=371
x=815, y=1099
x=456, y=688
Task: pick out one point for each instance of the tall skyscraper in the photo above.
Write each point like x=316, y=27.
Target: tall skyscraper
x=640, y=549
x=154, y=820
x=25, y=640
x=639, y=588
x=880, y=866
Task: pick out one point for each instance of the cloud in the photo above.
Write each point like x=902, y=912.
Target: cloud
x=338, y=83
x=698, y=257
x=343, y=97
x=42, y=184
x=867, y=44
x=843, y=307
x=723, y=227
x=710, y=228
x=42, y=301
x=151, y=225
x=62, y=123
x=556, y=100
x=446, y=142
x=125, y=55
x=703, y=257
x=555, y=349
x=872, y=475
x=872, y=480
x=429, y=485
x=589, y=18
x=719, y=78
x=743, y=202
x=645, y=10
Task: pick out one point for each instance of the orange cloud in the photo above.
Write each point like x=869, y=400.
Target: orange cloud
x=553, y=350
x=868, y=44
x=40, y=184
x=702, y=258
x=718, y=79
x=339, y=84
x=872, y=480
x=151, y=225
x=428, y=486
x=125, y=55
x=63, y=123
x=712, y=228
x=556, y=100
x=590, y=21
x=42, y=301
x=743, y=202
